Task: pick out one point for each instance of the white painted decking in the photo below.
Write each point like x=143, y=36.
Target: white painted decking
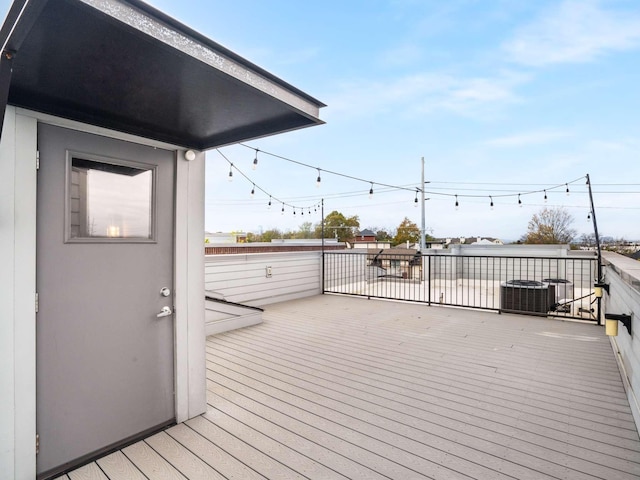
x=340, y=387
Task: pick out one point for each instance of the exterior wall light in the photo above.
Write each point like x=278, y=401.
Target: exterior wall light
x=612, y=320
x=190, y=155
x=600, y=288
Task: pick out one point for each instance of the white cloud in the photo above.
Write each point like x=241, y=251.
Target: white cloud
x=427, y=92
x=527, y=139
x=577, y=31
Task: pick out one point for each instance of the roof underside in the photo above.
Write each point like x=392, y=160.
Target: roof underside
x=127, y=67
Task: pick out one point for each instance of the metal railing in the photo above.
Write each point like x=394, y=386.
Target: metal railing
x=548, y=286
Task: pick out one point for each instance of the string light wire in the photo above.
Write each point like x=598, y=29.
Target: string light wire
x=386, y=188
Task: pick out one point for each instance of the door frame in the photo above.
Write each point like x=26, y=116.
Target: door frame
x=19, y=143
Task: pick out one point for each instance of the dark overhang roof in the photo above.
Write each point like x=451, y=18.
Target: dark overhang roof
x=124, y=65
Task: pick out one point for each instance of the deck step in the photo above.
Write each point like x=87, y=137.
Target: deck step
x=223, y=316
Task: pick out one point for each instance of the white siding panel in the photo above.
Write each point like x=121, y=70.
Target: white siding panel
x=243, y=278
x=7, y=245
x=17, y=296
x=623, y=298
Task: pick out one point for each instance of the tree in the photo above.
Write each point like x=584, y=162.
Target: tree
x=550, y=226
x=407, y=231
x=304, y=231
x=382, y=235
x=336, y=225
x=587, y=240
x=269, y=235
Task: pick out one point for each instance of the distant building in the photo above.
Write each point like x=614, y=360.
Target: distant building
x=367, y=239
x=220, y=237
x=275, y=246
x=397, y=262
x=467, y=241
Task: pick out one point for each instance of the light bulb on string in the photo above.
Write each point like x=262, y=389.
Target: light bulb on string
x=253, y=190
x=230, y=178
x=457, y=204
x=567, y=185
x=589, y=217
x=269, y=204
x=371, y=191
x=545, y=196
x=491, y=202
x=255, y=161
x=318, y=180
x=282, y=212
x=519, y=201
x=415, y=202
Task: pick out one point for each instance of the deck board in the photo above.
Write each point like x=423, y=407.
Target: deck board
x=334, y=387
x=182, y=459
x=392, y=411
x=151, y=463
x=88, y=472
x=118, y=467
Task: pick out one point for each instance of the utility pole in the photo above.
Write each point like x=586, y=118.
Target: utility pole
x=422, y=230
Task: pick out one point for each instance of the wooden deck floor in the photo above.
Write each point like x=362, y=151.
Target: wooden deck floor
x=338, y=387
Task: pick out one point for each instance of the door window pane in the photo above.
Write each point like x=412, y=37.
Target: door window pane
x=109, y=201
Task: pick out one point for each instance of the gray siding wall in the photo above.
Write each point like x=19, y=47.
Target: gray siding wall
x=623, y=276
x=243, y=278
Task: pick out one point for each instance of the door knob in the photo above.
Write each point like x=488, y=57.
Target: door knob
x=165, y=312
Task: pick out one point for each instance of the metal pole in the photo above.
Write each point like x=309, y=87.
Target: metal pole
x=422, y=232
x=322, y=234
x=595, y=231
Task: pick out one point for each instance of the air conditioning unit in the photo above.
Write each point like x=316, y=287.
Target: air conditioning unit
x=526, y=296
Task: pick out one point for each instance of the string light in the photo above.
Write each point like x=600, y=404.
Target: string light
x=386, y=187
x=589, y=217
x=393, y=187
x=254, y=187
x=255, y=161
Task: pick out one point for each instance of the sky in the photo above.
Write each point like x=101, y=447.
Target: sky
x=500, y=97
